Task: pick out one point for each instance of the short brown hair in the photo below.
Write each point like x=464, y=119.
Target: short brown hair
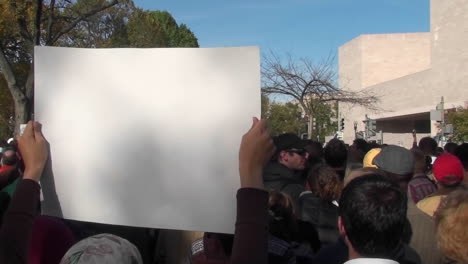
x=451, y=222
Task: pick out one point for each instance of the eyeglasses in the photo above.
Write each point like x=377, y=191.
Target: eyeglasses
x=300, y=152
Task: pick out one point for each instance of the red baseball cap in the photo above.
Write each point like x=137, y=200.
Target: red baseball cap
x=447, y=168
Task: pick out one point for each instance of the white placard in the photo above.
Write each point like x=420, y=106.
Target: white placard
x=146, y=137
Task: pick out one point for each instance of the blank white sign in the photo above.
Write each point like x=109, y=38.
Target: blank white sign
x=146, y=137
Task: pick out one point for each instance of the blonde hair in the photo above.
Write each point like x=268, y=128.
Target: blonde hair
x=451, y=221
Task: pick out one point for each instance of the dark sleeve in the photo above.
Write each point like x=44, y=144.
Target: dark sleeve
x=251, y=233
x=336, y=253
x=15, y=233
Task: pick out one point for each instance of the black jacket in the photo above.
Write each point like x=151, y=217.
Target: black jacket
x=280, y=178
x=322, y=214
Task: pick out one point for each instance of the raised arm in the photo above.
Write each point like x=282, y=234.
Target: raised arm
x=251, y=232
x=415, y=141
x=15, y=233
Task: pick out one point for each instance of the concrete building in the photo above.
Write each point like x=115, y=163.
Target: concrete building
x=409, y=72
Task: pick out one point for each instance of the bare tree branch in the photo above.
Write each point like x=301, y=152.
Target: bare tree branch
x=304, y=80
x=310, y=84
x=50, y=21
x=79, y=19
x=37, y=25
x=22, y=24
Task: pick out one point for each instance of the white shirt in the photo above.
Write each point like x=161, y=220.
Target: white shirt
x=370, y=261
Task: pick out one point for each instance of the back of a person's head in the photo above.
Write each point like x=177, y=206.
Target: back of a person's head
x=420, y=164
x=428, y=145
x=282, y=222
x=450, y=147
x=373, y=213
x=335, y=153
x=361, y=144
x=117, y=250
x=462, y=153
x=448, y=170
x=373, y=145
x=451, y=222
x=315, y=150
x=9, y=158
x=325, y=183
x=397, y=163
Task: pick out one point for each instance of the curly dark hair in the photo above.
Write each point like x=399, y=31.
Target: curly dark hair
x=335, y=153
x=428, y=145
x=325, y=183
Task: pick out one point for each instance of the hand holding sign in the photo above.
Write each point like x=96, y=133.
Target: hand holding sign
x=255, y=151
x=33, y=149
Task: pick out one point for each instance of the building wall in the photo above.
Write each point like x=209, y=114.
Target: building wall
x=389, y=56
x=372, y=59
x=449, y=29
x=350, y=66
x=410, y=81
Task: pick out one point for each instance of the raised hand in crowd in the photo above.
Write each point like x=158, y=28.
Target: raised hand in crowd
x=255, y=151
x=15, y=233
x=33, y=149
x=250, y=239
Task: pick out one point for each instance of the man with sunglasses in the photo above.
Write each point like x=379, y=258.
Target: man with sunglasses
x=284, y=172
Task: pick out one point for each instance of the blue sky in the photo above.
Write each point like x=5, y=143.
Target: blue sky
x=303, y=28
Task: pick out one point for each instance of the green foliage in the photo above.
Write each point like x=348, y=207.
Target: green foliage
x=7, y=109
x=289, y=118
x=76, y=23
x=459, y=120
x=106, y=29
x=124, y=25
x=265, y=105
x=285, y=118
x=158, y=29
x=323, y=114
x=185, y=37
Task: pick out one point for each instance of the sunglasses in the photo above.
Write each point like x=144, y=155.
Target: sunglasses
x=300, y=152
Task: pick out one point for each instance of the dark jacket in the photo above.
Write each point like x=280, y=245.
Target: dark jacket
x=280, y=178
x=322, y=214
x=15, y=233
x=251, y=235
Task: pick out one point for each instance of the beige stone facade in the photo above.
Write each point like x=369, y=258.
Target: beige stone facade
x=409, y=72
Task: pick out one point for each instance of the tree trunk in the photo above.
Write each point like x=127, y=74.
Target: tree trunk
x=22, y=111
x=24, y=106
x=310, y=127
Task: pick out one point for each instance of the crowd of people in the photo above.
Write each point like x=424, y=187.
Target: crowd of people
x=299, y=202
x=364, y=203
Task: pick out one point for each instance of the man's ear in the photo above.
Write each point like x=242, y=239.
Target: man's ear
x=343, y=235
x=283, y=155
x=341, y=227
